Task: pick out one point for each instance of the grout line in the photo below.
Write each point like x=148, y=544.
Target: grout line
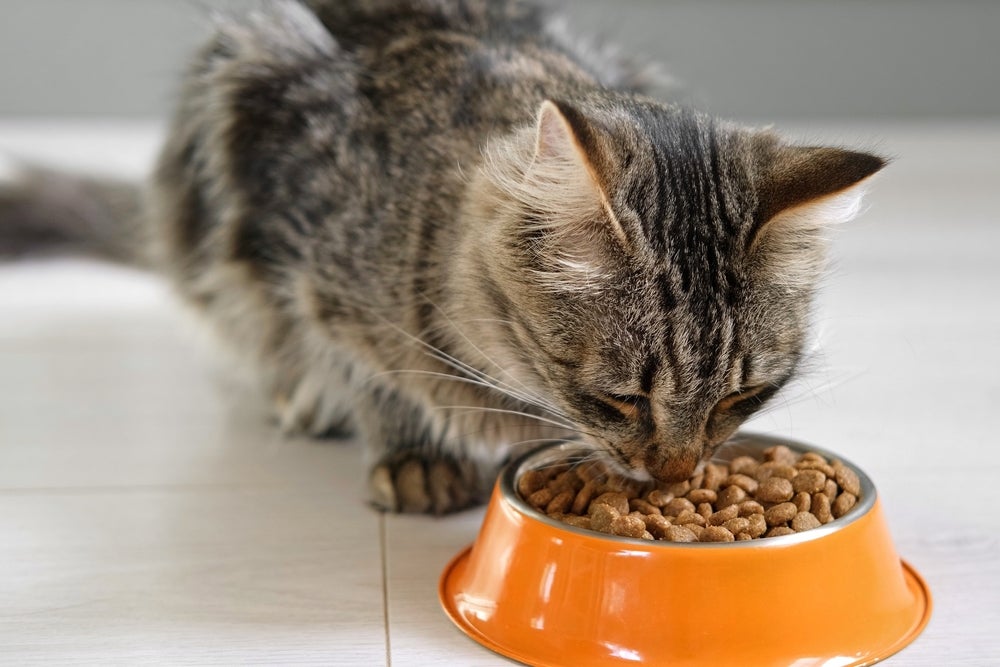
x=385, y=586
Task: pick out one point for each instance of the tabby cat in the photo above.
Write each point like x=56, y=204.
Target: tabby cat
x=447, y=227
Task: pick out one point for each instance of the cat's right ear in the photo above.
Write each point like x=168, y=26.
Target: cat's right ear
x=568, y=163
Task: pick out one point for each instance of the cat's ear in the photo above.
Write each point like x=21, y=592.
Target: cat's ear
x=570, y=159
x=801, y=191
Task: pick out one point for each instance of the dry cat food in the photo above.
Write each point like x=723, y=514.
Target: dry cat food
x=745, y=499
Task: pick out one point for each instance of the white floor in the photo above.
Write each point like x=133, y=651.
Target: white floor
x=149, y=514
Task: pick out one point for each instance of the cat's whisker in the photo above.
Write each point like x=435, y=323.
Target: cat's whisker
x=520, y=413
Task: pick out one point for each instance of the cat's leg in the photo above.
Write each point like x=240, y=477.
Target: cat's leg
x=417, y=467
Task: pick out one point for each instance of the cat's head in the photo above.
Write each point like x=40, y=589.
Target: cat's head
x=654, y=269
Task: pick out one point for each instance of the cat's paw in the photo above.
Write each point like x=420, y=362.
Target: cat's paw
x=415, y=482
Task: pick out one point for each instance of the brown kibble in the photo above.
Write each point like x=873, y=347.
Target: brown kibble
x=805, y=521
x=745, y=482
x=583, y=497
x=560, y=503
x=843, y=504
x=681, y=534
x=714, y=476
x=529, y=482
x=678, y=505
x=743, y=465
x=658, y=525
x=698, y=496
x=617, y=500
x=628, y=526
x=822, y=467
x=724, y=515
x=717, y=534
x=742, y=500
x=686, y=517
x=640, y=505
x=847, y=479
x=602, y=516
x=821, y=507
x=659, y=498
x=541, y=498
x=781, y=454
x=780, y=514
x=809, y=481
x=802, y=501
x=731, y=495
x=577, y=521
x=775, y=490
x=737, y=525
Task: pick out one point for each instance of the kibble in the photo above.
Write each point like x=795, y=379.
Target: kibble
x=748, y=499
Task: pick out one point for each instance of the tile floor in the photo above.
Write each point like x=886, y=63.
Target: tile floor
x=149, y=514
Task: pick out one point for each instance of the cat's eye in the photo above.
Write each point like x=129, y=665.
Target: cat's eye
x=630, y=405
x=748, y=397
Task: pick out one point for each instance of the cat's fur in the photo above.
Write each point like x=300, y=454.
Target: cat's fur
x=439, y=223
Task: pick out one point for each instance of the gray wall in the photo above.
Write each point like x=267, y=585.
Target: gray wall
x=751, y=59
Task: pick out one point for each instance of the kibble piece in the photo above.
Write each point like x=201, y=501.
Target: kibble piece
x=847, y=479
x=802, y=501
x=743, y=537
x=679, y=488
x=717, y=534
x=529, y=482
x=780, y=514
x=770, y=469
x=614, y=499
x=698, y=496
x=583, y=497
x=687, y=517
x=731, y=495
x=696, y=481
x=778, y=531
x=758, y=525
x=781, y=454
x=775, y=490
x=646, y=535
x=560, y=503
x=745, y=482
x=705, y=509
x=831, y=489
x=743, y=465
x=638, y=504
x=678, y=505
x=659, y=498
x=724, y=515
x=809, y=481
x=714, y=476
x=658, y=525
x=628, y=526
x=821, y=466
x=843, y=504
x=737, y=525
x=681, y=534
x=696, y=529
x=748, y=507
x=822, y=507
x=805, y=521
x=602, y=516
x=577, y=521
x=541, y=498
x=813, y=456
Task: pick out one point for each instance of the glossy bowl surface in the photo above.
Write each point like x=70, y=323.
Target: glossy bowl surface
x=544, y=593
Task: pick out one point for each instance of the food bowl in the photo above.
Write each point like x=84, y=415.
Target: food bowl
x=545, y=593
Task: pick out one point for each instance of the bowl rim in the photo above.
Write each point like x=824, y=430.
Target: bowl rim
x=752, y=441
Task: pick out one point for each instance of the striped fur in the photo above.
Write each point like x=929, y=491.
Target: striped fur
x=441, y=223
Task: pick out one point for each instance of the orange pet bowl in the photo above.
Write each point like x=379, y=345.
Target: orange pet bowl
x=545, y=593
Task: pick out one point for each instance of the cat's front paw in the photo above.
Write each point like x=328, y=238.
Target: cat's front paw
x=415, y=482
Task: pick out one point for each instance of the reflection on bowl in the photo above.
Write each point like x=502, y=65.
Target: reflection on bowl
x=545, y=593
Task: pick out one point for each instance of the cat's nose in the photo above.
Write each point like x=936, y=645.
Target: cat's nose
x=675, y=466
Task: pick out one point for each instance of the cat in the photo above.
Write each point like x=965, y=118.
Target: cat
x=446, y=227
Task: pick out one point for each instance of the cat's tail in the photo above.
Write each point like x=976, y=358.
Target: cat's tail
x=45, y=212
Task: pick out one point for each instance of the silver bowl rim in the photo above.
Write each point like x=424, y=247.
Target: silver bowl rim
x=750, y=442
